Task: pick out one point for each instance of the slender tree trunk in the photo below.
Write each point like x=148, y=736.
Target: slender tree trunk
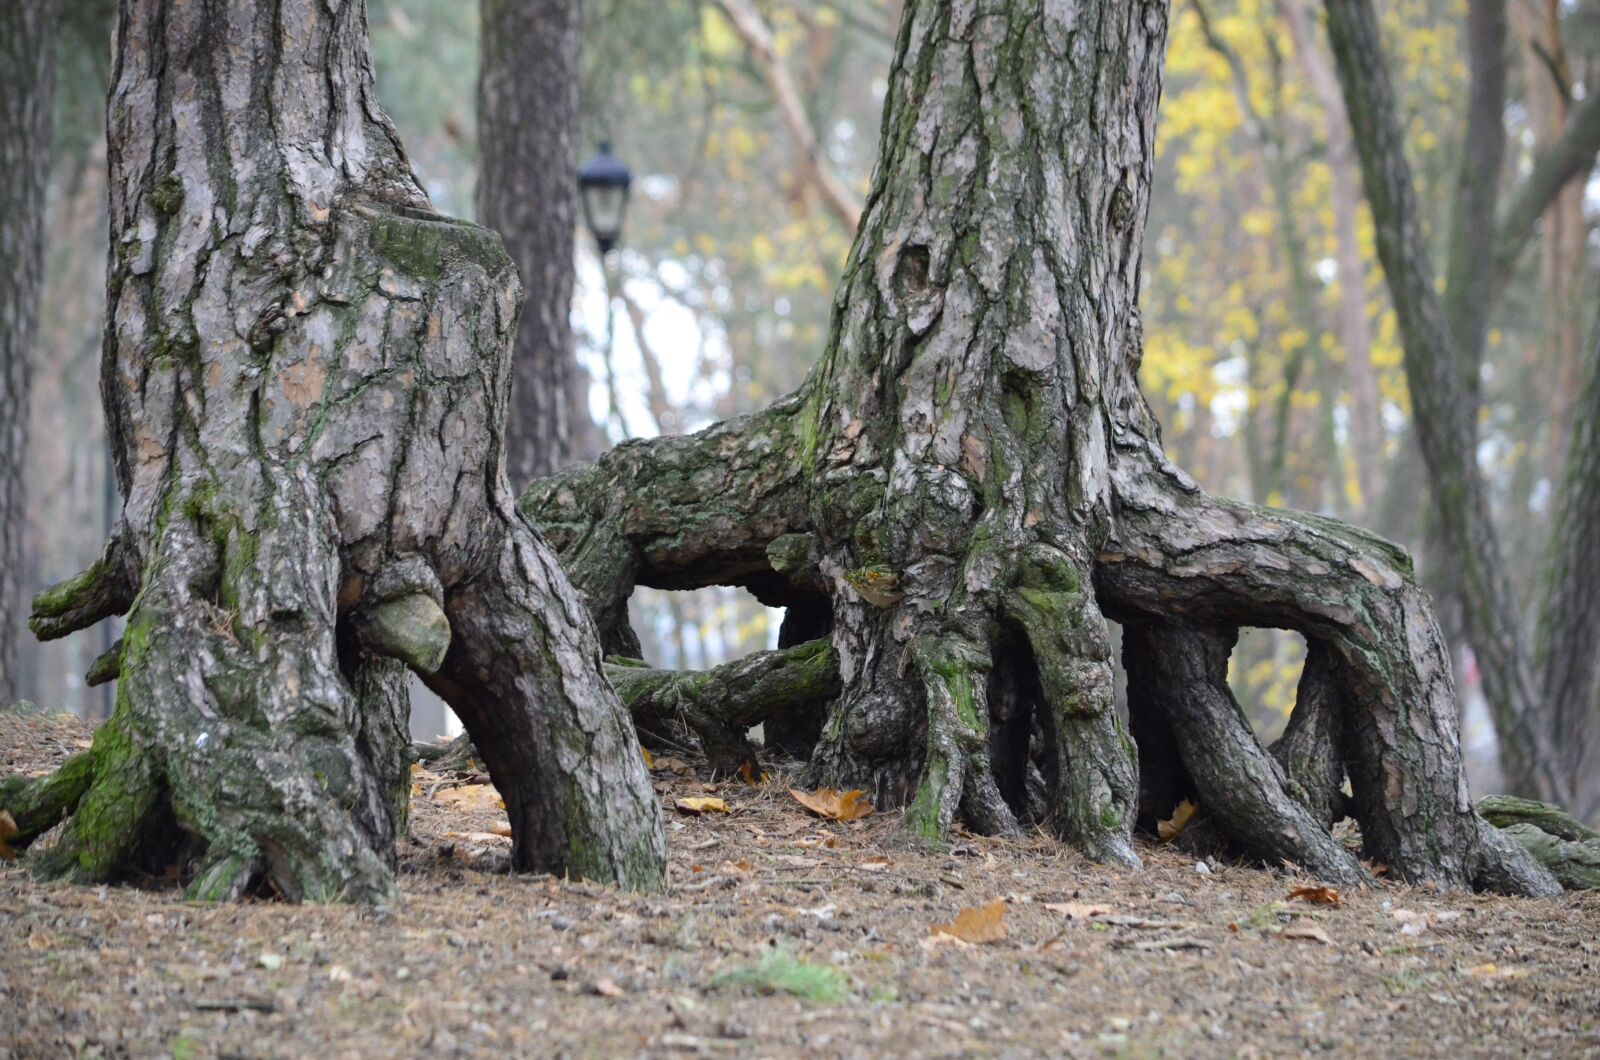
x=970, y=482
x=306, y=379
x=27, y=82
x=1444, y=402
x=1355, y=332
x=528, y=192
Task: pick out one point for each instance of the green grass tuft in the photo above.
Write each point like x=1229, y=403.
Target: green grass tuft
x=780, y=973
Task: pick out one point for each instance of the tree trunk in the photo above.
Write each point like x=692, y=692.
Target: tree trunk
x=306, y=379
x=970, y=482
x=27, y=81
x=528, y=192
x=1444, y=409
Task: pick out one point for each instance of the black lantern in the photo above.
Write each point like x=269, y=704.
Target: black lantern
x=603, y=185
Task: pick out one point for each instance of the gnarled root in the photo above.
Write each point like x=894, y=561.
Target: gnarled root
x=231, y=751
x=575, y=789
x=721, y=704
x=1181, y=677
x=718, y=705
x=1181, y=558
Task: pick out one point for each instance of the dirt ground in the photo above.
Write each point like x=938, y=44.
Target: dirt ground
x=783, y=935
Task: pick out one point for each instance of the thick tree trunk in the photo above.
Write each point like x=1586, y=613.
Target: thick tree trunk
x=970, y=481
x=306, y=380
x=528, y=81
x=27, y=81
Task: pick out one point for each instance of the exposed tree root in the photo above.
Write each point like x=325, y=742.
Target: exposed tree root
x=718, y=706
x=1182, y=677
x=1181, y=558
x=1569, y=849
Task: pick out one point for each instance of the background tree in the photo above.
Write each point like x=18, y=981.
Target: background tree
x=306, y=377
x=1546, y=729
x=528, y=78
x=27, y=86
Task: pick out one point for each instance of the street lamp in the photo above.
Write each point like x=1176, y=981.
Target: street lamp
x=603, y=186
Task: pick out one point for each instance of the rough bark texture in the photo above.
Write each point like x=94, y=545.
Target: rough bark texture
x=528, y=81
x=970, y=481
x=27, y=79
x=306, y=380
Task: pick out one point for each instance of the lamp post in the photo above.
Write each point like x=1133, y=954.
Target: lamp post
x=603, y=184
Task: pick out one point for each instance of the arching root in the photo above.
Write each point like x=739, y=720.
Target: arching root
x=1181, y=558
x=1182, y=677
x=576, y=791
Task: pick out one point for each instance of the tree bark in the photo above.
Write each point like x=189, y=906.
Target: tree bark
x=306, y=378
x=27, y=83
x=528, y=81
x=970, y=482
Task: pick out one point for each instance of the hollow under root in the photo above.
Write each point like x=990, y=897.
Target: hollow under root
x=1181, y=676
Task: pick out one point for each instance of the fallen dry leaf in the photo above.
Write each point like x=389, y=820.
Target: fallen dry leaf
x=748, y=774
x=875, y=865
x=1168, y=830
x=1078, y=910
x=985, y=923
x=1317, y=895
x=649, y=759
x=480, y=837
x=834, y=805
x=1494, y=971
x=699, y=804
x=471, y=797
x=675, y=766
x=1307, y=932
x=8, y=828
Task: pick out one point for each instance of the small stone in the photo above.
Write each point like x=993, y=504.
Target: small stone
x=1202, y=868
x=270, y=961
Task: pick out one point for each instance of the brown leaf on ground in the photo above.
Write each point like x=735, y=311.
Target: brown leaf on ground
x=834, y=805
x=470, y=797
x=1168, y=830
x=985, y=923
x=1317, y=895
x=1306, y=932
x=698, y=805
x=1078, y=910
x=8, y=828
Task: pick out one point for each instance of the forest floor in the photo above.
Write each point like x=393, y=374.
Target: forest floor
x=783, y=934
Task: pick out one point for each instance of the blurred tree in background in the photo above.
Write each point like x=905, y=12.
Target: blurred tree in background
x=1273, y=354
